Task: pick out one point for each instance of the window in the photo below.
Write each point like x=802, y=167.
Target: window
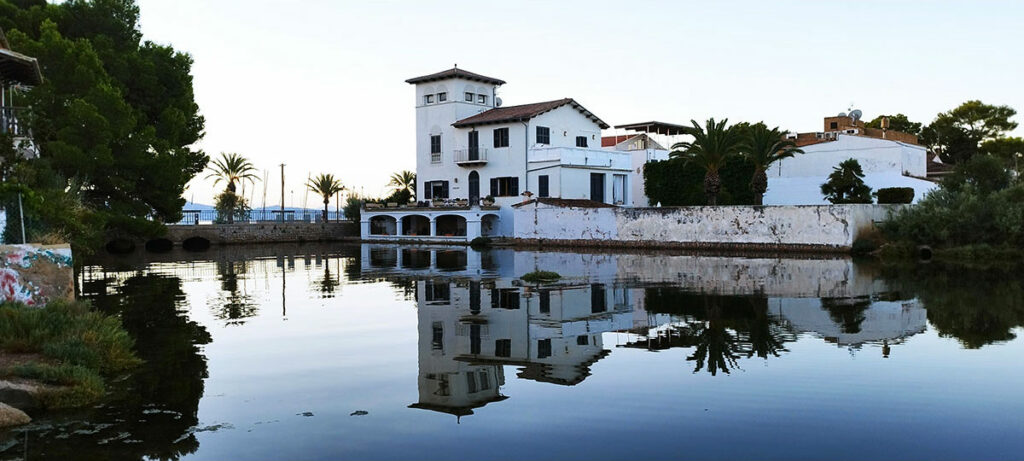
x=582, y=340
x=435, y=190
x=501, y=137
x=442, y=97
x=469, y=97
x=543, y=348
x=581, y=141
x=435, y=148
x=543, y=135
x=481, y=98
x=437, y=292
x=833, y=125
x=485, y=383
x=505, y=298
x=598, y=303
x=428, y=99
x=474, y=339
x=503, y=348
x=505, y=187
x=471, y=381
x=542, y=185
x=618, y=189
x=545, y=302
x=437, y=336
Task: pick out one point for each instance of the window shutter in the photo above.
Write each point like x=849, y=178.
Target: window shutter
x=427, y=190
x=494, y=298
x=494, y=187
x=444, y=189
x=514, y=187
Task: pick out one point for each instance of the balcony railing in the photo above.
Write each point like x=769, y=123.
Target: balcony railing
x=474, y=156
x=12, y=121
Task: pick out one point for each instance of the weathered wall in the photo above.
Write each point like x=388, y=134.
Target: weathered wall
x=36, y=274
x=822, y=227
x=265, y=232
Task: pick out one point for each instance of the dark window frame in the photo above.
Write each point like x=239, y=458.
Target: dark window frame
x=543, y=135
x=500, y=137
x=543, y=186
x=505, y=186
x=442, y=96
x=435, y=144
x=583, y=143
x=470, y=97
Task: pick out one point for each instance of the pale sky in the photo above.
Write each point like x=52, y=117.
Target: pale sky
x=319, y=84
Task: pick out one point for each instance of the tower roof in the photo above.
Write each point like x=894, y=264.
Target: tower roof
x=524, y=112
x=455, y=72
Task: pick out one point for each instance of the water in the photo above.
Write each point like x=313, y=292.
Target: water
x=384, y=352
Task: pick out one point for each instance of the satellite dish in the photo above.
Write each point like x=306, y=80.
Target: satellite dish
x=842, y=114
x=497, y=102
x=856, y=114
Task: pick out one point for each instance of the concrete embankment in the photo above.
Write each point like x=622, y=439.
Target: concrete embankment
x=200, y=237
x=36, y=274
x=815, y=228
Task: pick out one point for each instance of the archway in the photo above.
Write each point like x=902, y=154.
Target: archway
x=415, y=225
x=120, y=246
x=489, y=225
x=383, y=225
x=451, y=226
x=195, y=244
x=160, y=245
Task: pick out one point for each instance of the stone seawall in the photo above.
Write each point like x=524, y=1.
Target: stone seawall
x=818, y=228
x=36, y=274
x=223, y=234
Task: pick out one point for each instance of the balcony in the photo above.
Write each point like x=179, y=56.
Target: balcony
x=470, y=157
x=10, y=121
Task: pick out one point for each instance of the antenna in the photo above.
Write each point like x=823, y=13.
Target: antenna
x=856, y=114
x=497, y=102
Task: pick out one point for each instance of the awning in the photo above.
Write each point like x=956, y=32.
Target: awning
x=16, y=67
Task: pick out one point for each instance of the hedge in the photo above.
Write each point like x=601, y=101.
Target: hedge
x=895, y=195
x=674, y=183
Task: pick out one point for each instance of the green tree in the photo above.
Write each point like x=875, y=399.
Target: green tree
x=985, y=173
x=711, y=148
x=1009, y=150
x=325, y=186
x=846, y=184
x=955, y=135
x=898, y=122
x=403, y=181
x=762, y=147
x=232, y=168
x=115, y=118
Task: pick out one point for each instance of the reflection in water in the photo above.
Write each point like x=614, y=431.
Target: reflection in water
x=153, y=413
x=484, y=336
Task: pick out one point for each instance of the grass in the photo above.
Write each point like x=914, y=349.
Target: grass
x=78, y=348
x=539, y=276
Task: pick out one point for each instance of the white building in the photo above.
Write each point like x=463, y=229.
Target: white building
x=888, y=158
x=469, y=147
x=17, y=71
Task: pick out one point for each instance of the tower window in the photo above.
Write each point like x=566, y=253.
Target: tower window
x=481, y=98
x=428, y=99
x=469, y=97
x=543, y=135
x=435, y=148
x=581, y=141
x=442, y=97
x=542, y=187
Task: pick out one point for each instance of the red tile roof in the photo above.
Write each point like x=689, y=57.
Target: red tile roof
x=455, y=72
x=523, y=113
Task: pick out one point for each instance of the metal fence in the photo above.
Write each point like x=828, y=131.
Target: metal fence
x=197, y=217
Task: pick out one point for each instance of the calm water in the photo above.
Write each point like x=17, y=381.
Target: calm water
x=384, y=352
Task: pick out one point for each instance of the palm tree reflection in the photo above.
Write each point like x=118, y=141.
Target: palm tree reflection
x=233, y=306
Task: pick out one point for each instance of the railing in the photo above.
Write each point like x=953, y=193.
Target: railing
x=435, y=157
x=11, y=121
x=197, y=217
x=475, y=155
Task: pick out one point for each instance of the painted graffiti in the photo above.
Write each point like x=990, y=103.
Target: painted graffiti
x=35, y=275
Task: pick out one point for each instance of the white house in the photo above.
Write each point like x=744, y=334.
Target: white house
x=888, y=159
x=16, y=71
x=470, y=147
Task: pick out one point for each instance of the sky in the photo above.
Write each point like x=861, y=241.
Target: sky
x=319, y=84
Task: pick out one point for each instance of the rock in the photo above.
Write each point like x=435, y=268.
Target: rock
x=20, y=395
x=10, y=416
x=359, y=413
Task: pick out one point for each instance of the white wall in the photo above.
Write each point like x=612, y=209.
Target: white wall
x=826, y=226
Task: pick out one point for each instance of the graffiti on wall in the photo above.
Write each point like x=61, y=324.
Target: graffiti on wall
x=35, y=275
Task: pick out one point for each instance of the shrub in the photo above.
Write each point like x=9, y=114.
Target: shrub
x=539, y=276
x=895, y=195
x=480, y=242
x=352, y=206
x=78, y=345
x=948, y=218
x=230, y=207
x=846, y=184
x=984, y=172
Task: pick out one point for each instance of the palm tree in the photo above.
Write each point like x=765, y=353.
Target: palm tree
x=232, y=168
x=762, y=147
x=710, y=148
x=403, y=181
x=325, y=186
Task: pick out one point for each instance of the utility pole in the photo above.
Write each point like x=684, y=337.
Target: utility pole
x=282, y=192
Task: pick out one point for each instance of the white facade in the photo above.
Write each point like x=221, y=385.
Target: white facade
x=886, y=163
